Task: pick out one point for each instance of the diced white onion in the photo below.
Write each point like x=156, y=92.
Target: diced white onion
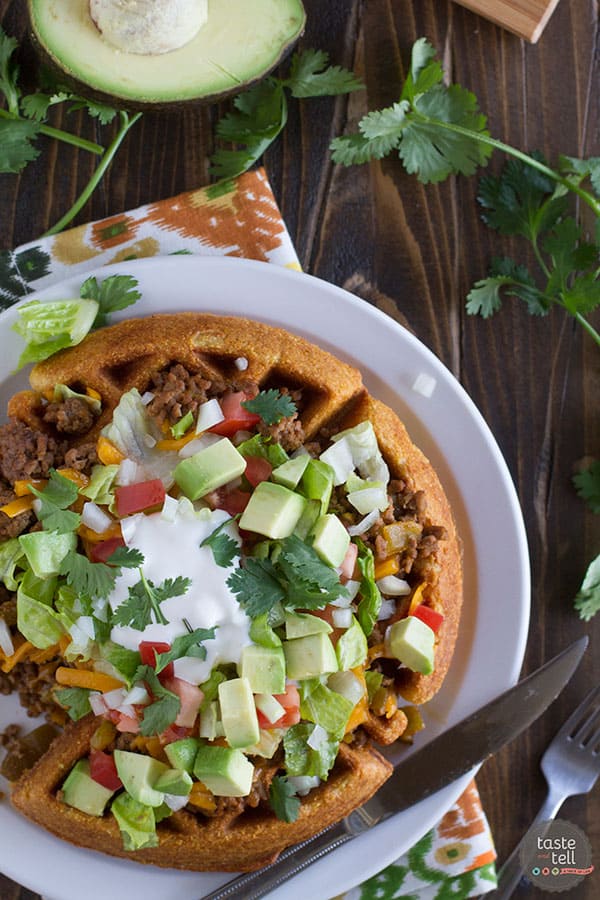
x=241, y=363
x=209, y=414
x=97, y=703
x=86, y=624
x=269, y=706
x=348, y=685
x=339, y=457
x=176, y=802
x=199, y=443
x=342, y=618
x=127, y=473
x=301, y=451
x=137, y=695
x=147, y=397
x=6, y=643
x=128, y=527
x=36, y=506
x=240, y=436
x=95, y=517
x=387, y=608
x=424, y=384
x=127, y=710
x=114, y=699
x=149, y=440
x=317, y=737
x=169, y=509
x=364, y=524
x=393, y=586
x=303, y=784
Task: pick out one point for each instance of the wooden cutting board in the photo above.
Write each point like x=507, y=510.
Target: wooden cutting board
x=527, y=18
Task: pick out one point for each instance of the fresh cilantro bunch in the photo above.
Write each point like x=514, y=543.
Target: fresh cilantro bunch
x=24, y=121
x=260, y=113
x=294, y=577
x=438, y=130
x=587, y=600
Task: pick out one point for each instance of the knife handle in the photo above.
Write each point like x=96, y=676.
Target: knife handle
x=293, y=860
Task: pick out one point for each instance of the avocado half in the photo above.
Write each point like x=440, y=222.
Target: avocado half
x=241, y=42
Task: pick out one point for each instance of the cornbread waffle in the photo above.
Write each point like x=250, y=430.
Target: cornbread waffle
x=333, y=398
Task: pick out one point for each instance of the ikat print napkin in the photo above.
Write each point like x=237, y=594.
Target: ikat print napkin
x=455, y=859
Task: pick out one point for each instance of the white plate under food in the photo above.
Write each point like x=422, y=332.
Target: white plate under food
x=449, y=429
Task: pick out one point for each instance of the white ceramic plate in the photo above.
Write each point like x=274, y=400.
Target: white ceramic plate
x=452, y=433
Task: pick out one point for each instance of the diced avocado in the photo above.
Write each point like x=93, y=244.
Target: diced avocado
x=273, y=510
x=308, y=656
x=302, y=624
x=238, y=712
x=264, y=668
x=331, y=540
x=81, y=791
x=317, y=483
x=139, y=774
x=269, y=706
x=290, y=473
x=225, y=771
x=306, y=522
x=412, y=642
x=174, y=781
x=45, y=550
x=214, y=61
x=181, y=754
x=209, y=469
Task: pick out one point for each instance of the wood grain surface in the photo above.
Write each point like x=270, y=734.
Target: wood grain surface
x=527, y=18
x=414, y=252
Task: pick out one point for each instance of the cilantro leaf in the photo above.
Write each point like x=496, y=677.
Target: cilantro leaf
x=36, y=106
x=587, y=600
x=311, y=583
x=185, y=645
x=256, y=586
x=584, y=168
x=75, y=700
x=16, y=149
x=224, y=548
x=141, y=607
x=105, y=114
x=58, y=494
x=310, y=76
x=356, y=149
x=9, y=72
x=164, y=710
x=587, y=483
x=88, y=578
x=113, y=293
x=126, y=558
x=425, y=70
x=283, y=800
x=511, y=279
x=271, y=405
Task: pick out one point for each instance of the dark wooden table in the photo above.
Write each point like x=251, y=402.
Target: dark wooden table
x=414, y=252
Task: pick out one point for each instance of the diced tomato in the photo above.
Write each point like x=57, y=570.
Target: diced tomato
x=348, y=563
x=132, y=498
x=104, y=771
x=236, y=417
x=291, y=703
x=190, y=696
x=257, y=469
x=233, y=502
x=127, y=724
x=174, y=733
x=102, y=550
x=147, y=652
x=430, y=616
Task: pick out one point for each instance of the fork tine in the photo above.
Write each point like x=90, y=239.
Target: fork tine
x=582, y=735
x=577, y=718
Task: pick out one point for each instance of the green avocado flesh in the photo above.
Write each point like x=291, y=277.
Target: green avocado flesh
x=241, y=42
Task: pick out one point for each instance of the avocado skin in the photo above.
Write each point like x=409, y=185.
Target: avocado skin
x=67, y=79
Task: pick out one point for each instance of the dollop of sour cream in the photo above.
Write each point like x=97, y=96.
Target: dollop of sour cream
x=171, y=547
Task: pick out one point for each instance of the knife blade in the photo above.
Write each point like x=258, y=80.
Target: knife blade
x=440, y=762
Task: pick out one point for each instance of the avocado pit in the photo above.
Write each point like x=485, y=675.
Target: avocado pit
x=148, y=27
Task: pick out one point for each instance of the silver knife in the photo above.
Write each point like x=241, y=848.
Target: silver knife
x=437, y=764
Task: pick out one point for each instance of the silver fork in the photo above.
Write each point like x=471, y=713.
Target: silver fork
x=571, y=765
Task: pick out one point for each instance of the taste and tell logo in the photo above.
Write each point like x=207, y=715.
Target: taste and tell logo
x=556, y=855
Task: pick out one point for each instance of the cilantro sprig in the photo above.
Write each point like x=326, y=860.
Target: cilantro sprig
x=271, y=405
x=23, y=122
x=283, y=800
x=438, y=130
x=587, y=599
x=297, y=578
x=141, y=607
x=165, y=705
x=54, y=502
x=587, y=483
x=185, y=645
x=260, y=114
x=224, y=548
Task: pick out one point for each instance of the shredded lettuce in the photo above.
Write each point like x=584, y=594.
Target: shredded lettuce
x=136, y=822
x=300, y=759
x=351, y=649
x=259, y=445
x=11, y=554
x=36, y=620
x=134, y=432
x=100, y=487
x=324, y=707
x=48, y=327
x=262, y=633
x=64, y=392
x=124, y=661
x=370, y=604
